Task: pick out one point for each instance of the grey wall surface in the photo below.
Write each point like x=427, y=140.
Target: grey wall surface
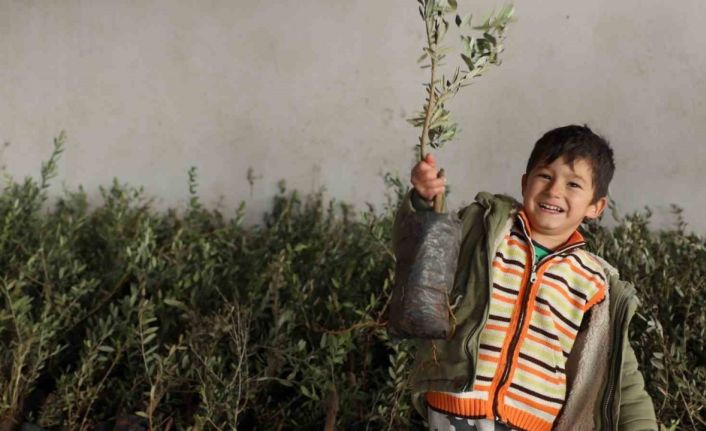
x=316, y=92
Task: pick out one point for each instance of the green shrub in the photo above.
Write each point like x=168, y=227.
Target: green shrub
x=192, y=320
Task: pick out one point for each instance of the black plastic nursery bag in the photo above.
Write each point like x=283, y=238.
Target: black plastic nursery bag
x=427, y=254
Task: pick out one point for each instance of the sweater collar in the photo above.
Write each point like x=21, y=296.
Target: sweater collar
x=575, y=239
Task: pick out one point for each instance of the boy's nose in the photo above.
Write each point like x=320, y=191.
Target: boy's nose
x=553, y=188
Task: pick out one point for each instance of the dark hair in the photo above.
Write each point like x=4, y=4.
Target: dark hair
x=576, y=143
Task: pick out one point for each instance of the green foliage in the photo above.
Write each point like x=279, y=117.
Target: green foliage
x=189, y=319
x=194, y=321
x=478, y=53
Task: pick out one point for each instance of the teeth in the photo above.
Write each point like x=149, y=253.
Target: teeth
x=551, y=207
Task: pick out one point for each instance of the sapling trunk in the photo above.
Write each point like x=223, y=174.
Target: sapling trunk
x=424, y=138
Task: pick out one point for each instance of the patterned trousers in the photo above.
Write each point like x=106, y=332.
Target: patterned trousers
x=444, y=422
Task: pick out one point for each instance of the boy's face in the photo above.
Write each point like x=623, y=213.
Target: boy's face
x=557, y=197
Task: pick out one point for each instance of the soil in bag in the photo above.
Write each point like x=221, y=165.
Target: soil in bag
x=427, y=255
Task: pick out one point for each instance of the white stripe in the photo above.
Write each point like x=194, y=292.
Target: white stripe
x=550, y=404
x=503, y=309
x=532, y=365
x=529, y=409
x=539, y=385
x=476, y=395
x=556, y=299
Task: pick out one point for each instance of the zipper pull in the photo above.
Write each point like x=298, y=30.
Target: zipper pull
x=533, y=277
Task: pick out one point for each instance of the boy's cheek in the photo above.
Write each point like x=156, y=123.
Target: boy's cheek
x=523, y=184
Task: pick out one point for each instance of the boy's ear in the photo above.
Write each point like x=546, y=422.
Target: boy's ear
x=596, y=209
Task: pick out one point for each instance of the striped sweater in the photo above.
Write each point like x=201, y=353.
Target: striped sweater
x=534, y=316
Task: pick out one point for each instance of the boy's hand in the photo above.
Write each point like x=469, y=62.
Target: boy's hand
x=425, y=178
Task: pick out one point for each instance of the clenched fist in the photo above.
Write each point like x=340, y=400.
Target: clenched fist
x=425, y=178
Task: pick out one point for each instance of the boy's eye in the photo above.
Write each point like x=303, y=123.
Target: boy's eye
x=545, y=176
x=574, y=185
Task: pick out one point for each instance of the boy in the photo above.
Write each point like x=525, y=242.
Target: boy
x=540, y=339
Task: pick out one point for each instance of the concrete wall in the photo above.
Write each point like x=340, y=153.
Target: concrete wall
x=317, y=92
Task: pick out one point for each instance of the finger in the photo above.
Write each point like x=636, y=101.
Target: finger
x=420, y=166
x=429, y=194
x=421, y=180
x=430, y=175
x=429, y=183
x=424, y=193
x=423, y=165
x=438, y=191
x=435, y=183
x=430, y=159
x=430, y=189
x=423, y=172
x=416, y=176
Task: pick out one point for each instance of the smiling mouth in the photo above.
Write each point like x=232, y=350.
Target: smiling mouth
x=551, y=208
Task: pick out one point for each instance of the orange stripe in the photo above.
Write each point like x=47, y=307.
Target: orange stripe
x=496, y=327
x=516, y=243
x=502, y=298
x=564, y=331
x=532, y=403
x=563, y=293
x=544, y=342
x=543, y=311
x=488, y=358
x=507, y=270
x=458, y=406
x=596, y=299
x=592, y=278
x=541, y=375
x=549, y=314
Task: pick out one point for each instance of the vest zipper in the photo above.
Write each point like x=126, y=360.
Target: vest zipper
x=606, y=406
x=516, y=335
x=610, y=393
x=617, y=351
